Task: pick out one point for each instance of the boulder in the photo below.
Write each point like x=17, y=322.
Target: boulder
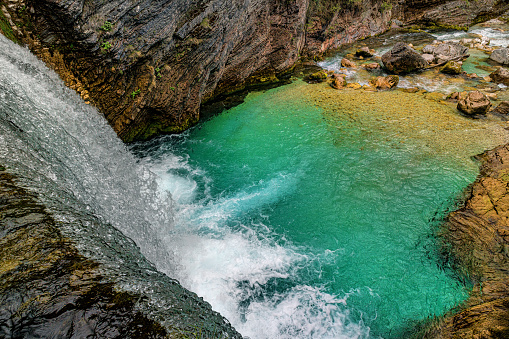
x=371, y=66
x=403, y=59
x=500, y=76
x=502, y=108
x=474, y=103
x=446, y=51
x=501, y=56
x=428, y=57
x=387, y=82
x=451, y=67
x=347, y=63
x=319, y=76
x=338, y=81
x=365, y=52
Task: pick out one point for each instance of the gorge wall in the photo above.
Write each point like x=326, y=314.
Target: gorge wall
x=148, y=65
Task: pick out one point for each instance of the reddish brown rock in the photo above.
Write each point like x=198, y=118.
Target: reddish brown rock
x=474, y=103
x=386, y=82
x=371, y=66
x=477, y=239
x=347, y=63
x=338, y=81
x=500, y=76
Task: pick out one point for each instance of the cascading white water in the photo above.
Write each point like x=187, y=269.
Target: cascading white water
x=63, y=149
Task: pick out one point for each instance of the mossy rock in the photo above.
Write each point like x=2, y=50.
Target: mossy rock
x=452, y=67
x=319, y=76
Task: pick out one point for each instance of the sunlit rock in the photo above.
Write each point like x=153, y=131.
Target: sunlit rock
x=474, y=103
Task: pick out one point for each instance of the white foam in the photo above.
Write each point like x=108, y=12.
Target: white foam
x=237, y=270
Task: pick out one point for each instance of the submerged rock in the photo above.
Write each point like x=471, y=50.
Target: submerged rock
x=403, y=59
x=476, y=238
x=475, y=102
x=451, y=67
x=501, y=56
x=386, y=82
x=502, y=108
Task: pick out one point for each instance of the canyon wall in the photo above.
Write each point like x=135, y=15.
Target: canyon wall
x=149, y=65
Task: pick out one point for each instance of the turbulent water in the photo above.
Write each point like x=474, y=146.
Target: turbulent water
x=294, y=219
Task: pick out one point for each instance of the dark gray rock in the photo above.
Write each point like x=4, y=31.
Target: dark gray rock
x=403, y=59
x=49, y=290
x=501, y=56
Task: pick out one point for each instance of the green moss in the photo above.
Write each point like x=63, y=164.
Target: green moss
x=6, y=28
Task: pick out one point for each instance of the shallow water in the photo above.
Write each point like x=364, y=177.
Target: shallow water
x=430, y=80
x=309, y=213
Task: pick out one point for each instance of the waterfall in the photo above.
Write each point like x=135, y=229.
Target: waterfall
x=64, y=150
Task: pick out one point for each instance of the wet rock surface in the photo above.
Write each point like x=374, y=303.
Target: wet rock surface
x=477, y=237
x=49, y=290
x=500, y=76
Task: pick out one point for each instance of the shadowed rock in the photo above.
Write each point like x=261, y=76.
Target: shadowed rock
x=502, y=108
x=501, y=56
x=49, y=290
x=338, y=81
x=500, y=76
x=403, y=59
x=477, y=239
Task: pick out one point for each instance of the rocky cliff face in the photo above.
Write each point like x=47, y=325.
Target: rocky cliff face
x=47, y=289
x=455, y=13
x=148, y=65
x=477, y=237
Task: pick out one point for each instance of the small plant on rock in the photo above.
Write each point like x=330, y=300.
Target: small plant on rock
x=386, y=6
x=135, y=93
x=106, y=46
x=107, y=26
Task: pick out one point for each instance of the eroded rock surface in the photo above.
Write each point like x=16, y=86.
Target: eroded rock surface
x=148, y=66
x=49, y=290
x=478, y=235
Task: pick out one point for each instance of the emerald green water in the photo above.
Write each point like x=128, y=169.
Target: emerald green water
x=294, y=224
